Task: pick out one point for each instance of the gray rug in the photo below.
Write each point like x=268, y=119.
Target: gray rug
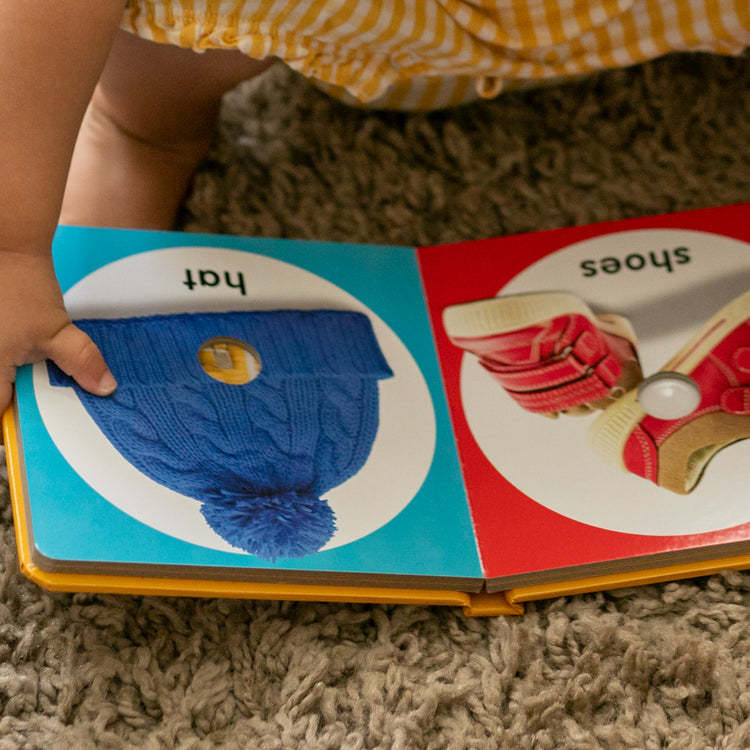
x=664, y=666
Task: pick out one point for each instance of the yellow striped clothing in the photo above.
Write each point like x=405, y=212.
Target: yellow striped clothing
x=422, y=54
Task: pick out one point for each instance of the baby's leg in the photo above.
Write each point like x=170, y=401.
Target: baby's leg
x=148, y=126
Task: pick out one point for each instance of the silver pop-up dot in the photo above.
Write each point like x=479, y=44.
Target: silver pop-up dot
x=669, y=395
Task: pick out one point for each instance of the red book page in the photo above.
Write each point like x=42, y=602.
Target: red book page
x=540, y=498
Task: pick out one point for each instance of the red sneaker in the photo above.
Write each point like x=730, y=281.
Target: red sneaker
x=548, y=350
x=674, y=453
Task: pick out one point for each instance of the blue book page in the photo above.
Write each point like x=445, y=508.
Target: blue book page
x=399, y=510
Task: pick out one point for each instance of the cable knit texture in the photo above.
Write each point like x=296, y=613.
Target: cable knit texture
x=259, y=456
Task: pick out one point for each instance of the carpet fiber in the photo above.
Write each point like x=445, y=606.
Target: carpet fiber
x=664, y=666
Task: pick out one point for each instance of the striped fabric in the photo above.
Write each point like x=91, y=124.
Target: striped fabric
x=424, y=54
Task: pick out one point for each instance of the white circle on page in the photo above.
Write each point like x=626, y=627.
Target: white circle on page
x=149, y=283
x=549, y=460
x=669, y=395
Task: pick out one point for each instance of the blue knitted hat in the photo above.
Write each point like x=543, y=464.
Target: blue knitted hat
x=259, y=455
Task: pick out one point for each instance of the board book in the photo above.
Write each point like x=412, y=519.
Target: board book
x=471, y=424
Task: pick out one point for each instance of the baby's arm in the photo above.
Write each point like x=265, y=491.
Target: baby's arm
x=51, y=56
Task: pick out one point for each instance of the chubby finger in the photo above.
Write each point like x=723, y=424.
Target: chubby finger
x=78, y=356
x=7, y=375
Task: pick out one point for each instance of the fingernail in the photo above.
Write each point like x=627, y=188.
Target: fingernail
x=107, y=384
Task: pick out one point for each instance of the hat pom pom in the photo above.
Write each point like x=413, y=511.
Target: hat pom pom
x=285, y=525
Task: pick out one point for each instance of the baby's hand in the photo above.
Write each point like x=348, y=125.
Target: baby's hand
x=34, y=326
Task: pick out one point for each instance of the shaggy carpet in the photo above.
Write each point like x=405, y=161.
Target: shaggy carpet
x=665, y=666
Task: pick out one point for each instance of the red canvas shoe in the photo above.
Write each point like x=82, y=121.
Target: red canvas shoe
x=674, y=452
x=548, y=350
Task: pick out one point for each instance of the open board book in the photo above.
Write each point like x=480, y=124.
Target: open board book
x=321, y=421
